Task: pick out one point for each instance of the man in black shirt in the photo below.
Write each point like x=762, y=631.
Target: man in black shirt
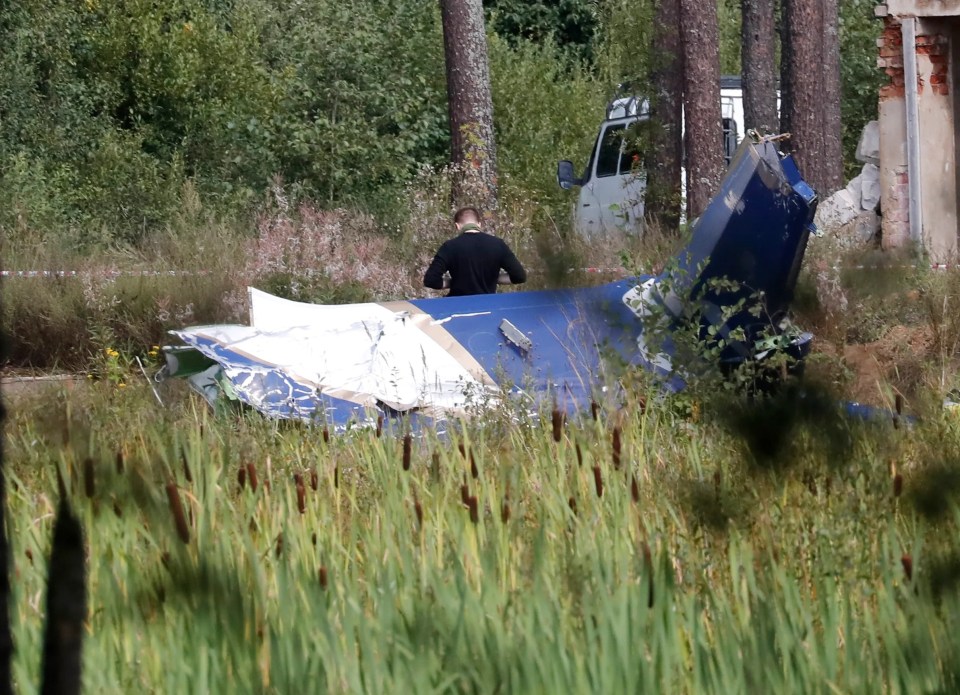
x=474, y=260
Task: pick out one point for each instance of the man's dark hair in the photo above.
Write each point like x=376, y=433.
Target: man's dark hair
x=467, y=215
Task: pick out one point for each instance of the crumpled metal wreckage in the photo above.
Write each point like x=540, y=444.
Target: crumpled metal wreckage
x=436, y=359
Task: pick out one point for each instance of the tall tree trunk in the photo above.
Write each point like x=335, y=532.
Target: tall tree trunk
x=804, y=73
x=832, y=134
x=759, y=66
x=472, y=147
x=665, y=155
x=701, y=102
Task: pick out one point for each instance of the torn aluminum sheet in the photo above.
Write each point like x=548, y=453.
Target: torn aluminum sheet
x=436, y=358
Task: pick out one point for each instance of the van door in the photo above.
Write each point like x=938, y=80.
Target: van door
x=611, y=197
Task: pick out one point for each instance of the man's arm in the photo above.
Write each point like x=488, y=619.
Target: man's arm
x=433, y=278
x=514, y=273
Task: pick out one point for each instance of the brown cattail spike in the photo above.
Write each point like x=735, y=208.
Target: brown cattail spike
x=616, y=446
x=557, y=420
x=598, y=480
x=435, y=466
x=279, y=550
x=326, y=436
x=301, y=493
x=187, y=475
x=572, y=503
x=336, y=475
x=907, y=563
x=120, y=461
x=462, y=449
x=242, y=477
x=88, y=480
x=322, y=575
x=897, y=485
x=474, y=506
x=464, y=492
x=252, y=476
x=407, y=448
x=634, y=489
x=379, y=425
x=594, y=409
x=418, y=510
x=314, y=479
x=474, y=471
x=176, y=508
x=898, y=403
x=505, y=510
x=579, y=454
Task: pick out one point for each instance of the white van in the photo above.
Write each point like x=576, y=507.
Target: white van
x=612, y=186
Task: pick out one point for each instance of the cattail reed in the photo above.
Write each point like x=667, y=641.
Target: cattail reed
x=119, y=461
x=435, y=466
x=379, y=425
x=579, y=453
x=326, y=435
x=336, y=476
x=897, y=485
x=464, y=492
x=474, y=471
x=616, y=446
x=301, y=493
x=313, y=539
x=314, y=479
x=187, y=475
x=572, y=503
x=29, y=555
x=322, y=575
x=598, y=480
x=252, y=476
x=242, y=477
x=89, y=485
x=634, y=489
x=594, y=409
x=176, y=508
x=898, y=403
x=557, y=420
x=505, y=510
x=279, y=546
x=474, y=506
x=907, y=563
x=462, y=449
x=407, y=447
x=117, y=510
x=418, y=510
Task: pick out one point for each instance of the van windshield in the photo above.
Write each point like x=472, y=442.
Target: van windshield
x=617, y=151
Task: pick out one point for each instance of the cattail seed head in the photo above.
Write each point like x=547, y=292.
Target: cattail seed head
x=313, y=539
x=898, y=403
x=336, y=475
x=505, y=510
x=379, y=425
x=616, y=446
x=435, y=466
x=252, y=476
x=594, y=409
x=242, y=477
x=418, y=510
x=322, y=575
x=572, y=503
x=301, y=493
x=314, y=479
x=907, y=563
x=29, y=555
x=474, y=506
x=119, y=460
x=88, y=480
x=897, y=485
x=176, y=508
x=462, y=449
x=557, y=421
x=598, y=480
x=407, y=447
x=464, y=492
x=187, y=475
x=279, y=548
x=634, y=489
x=579, y=453
x=474, y=471
x=326, y=435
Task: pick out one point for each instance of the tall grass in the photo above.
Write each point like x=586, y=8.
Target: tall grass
x=529, y=562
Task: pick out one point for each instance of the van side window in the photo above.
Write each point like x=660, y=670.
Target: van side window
x=608, y=158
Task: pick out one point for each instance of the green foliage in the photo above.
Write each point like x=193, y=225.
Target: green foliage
x=859, y=76
x=570, y=25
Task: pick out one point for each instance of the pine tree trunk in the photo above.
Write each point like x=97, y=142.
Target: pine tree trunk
x=665, y=154
x=701, y=102
x=759, y=66
x=832, y=135
x=472, y=147
x=804, y=80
